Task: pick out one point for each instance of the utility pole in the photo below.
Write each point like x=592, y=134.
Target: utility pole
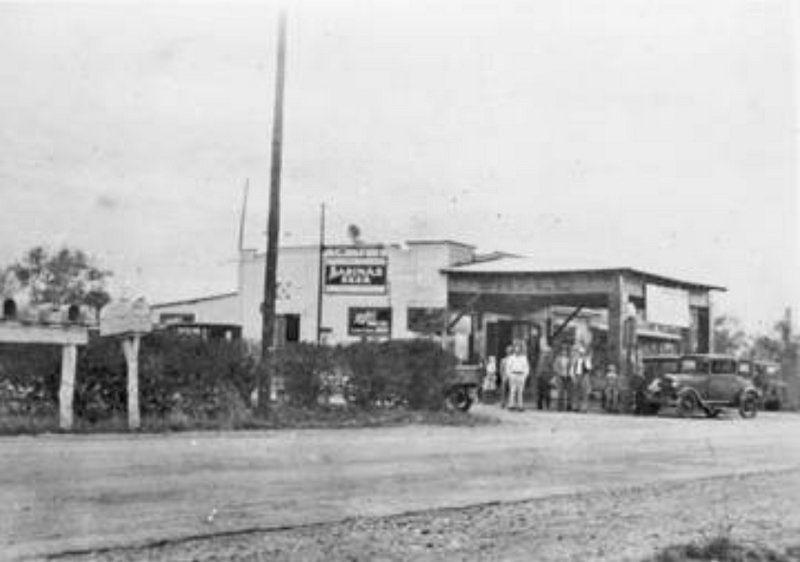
x=273, y=228
x=243, y=216
x=321, y=286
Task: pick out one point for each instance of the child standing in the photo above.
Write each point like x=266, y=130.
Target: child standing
x=490, y=378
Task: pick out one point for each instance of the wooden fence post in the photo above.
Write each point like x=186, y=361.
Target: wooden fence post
x=66, y=393
x=130, y=347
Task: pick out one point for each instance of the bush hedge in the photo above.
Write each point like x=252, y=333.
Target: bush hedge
x=185, y=377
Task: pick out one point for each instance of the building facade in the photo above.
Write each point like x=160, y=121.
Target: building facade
x=480, y=303
x=340, y=295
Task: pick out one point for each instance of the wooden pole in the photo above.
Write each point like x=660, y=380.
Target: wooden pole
x=321, y=286
x=69, y=359
x=130, y=347
x=243, y=217
x=273, y=227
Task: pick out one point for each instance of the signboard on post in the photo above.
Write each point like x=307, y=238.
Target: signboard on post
x=355, y=274
x=125, y=317
x=128, y=320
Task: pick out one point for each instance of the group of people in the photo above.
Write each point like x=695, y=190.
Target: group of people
x=563, y=383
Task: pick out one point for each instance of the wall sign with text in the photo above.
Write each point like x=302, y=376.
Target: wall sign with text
x=356, y=275
x=367, y=321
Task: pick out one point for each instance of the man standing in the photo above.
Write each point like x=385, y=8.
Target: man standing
x=544, y=378
x=563, y=380
x=518, y=370
x=504, y=376
x=580, y=371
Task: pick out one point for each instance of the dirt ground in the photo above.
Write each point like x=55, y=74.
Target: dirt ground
x=543, y=486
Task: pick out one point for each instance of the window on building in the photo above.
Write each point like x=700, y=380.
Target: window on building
x=9, y=309
x=292, y=327
x=176, y=318
x=425, y=320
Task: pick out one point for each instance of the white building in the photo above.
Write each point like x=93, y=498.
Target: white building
x=358, y=291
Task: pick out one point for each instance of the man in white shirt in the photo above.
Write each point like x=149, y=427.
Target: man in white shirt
x=517, y=370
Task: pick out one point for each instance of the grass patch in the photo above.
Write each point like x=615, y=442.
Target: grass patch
x=15, y=424
x=723, y=548
x=281, y=417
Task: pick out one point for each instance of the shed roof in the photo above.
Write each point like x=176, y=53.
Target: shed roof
x=526, y=265
x=222, y=296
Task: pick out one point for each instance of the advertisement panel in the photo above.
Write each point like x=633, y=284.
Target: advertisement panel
x=351, y=274
x=667, y=305
x=369, y=321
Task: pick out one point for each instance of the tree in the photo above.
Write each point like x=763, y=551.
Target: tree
x=68, y=276
x=729, y=337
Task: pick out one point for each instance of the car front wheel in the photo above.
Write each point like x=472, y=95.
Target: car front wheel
x=459, y=399
x=687, y=406
x=748, y=407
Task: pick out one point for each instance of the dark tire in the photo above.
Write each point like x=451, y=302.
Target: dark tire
x=748, y=406
x=652, y=409
x=687, y=405
x=459, y=399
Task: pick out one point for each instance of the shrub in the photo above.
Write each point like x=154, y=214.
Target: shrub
x=302, y=368
x=198, y=377
x=367, y=379
x=720, y=548
x=415, y=373
x=184, y=379
x=100, y=381
x=29, y=378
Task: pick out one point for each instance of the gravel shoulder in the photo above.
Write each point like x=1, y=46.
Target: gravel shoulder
x=613, y=525
x=78, y=493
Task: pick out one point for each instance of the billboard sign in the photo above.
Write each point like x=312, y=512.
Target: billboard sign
x=668, y=306
x=369, y=321
x=356, y=275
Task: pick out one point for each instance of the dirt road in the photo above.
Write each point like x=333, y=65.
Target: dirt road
x=72, y=493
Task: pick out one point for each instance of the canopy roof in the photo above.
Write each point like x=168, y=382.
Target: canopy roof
x=509, y=265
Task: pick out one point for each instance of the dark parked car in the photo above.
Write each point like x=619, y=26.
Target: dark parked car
x=774, y=391
x=707, y=383
x=656, y=366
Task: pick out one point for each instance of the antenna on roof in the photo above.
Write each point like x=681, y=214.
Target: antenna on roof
x=243, y=215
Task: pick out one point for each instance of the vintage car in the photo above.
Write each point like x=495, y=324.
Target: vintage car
x=464, y=388
x=767, y=377
x=707, y=383
x=655, y=366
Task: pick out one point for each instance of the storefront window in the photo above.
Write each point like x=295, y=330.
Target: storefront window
x=425, y=320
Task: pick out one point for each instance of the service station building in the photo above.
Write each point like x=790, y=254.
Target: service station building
x=476, y=303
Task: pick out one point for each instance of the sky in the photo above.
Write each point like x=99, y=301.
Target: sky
x=657, y=134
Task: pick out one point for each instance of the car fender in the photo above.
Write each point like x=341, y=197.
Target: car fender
x=689, y=391
x=745, y=391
